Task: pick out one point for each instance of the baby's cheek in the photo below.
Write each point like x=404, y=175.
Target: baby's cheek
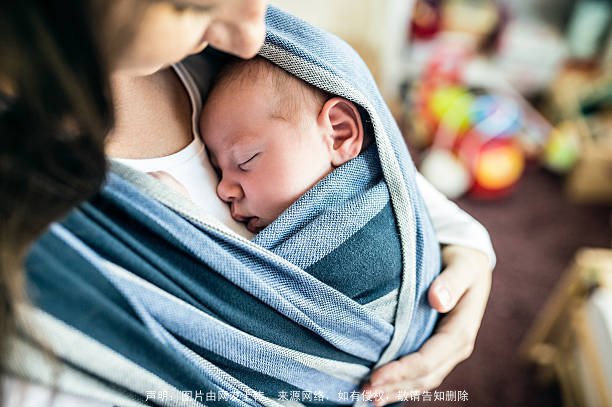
x=275, y=196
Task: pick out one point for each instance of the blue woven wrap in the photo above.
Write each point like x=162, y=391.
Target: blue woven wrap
x=333, y=288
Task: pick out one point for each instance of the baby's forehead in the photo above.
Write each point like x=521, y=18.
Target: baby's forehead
x=288, y=97
x=259, y=71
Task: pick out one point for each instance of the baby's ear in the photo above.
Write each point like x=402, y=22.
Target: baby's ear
x=346, y=138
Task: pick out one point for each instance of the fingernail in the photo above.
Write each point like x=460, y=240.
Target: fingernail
x=444, y=297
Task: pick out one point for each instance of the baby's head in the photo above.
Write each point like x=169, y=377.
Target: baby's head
x=272, y=136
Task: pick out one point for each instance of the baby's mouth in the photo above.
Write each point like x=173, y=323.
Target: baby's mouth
x=251, y=222
x=252, y=225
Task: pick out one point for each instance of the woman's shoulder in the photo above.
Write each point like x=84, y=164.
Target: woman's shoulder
x=20, y=393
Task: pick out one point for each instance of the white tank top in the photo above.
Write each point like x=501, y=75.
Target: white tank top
x=189, y=171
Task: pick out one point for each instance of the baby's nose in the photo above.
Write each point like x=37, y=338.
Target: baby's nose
x=228, y=190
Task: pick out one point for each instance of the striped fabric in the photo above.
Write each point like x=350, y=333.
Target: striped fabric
x=300, y=315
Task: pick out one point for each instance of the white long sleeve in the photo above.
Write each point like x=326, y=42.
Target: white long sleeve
x=453, y=225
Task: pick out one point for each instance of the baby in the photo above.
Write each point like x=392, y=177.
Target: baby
x=272, y=136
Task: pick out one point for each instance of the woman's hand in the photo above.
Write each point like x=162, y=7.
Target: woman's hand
x=462, y=291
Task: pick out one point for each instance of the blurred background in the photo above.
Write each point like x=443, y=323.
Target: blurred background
x=507, y=108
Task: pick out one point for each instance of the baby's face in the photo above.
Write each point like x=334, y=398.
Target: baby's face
x=266, y=163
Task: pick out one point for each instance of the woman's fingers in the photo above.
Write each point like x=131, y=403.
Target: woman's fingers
x=464, y=267
x=452, y=343
x=411, y=368
x=448, y=288
x=467, y=280
x=417, y=372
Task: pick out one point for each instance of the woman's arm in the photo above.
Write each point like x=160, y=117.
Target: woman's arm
x=461, y=291
x=452, y=225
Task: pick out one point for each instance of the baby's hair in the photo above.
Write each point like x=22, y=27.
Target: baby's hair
x=293, y=92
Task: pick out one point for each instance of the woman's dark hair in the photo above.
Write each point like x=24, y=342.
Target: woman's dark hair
x=55, y=110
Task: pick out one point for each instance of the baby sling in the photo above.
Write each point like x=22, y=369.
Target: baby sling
x=144, y=300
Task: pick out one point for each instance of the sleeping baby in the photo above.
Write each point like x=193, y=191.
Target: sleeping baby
x=272, y=139
x=272, y=136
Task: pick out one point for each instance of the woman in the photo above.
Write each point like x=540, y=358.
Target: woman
x=59, y=106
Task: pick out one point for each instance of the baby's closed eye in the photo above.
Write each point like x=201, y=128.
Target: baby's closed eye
x=248, y=163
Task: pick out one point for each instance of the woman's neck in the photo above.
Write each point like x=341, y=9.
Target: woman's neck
x=152, y=116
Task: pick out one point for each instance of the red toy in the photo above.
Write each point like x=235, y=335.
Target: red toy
x=496, y=164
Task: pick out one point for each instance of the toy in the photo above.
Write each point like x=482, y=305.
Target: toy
x=426, y=19
x=446, y=172
x=496, y=116
x=562, y=149
x=475, y=145
x=444, y=112
x=496, y=164
x=451, y=107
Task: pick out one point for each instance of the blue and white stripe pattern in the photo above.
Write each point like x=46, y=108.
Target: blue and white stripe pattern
x=295, y=310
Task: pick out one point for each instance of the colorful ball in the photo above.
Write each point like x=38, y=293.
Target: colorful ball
x=451, y=107
x=496, y=165
x=496, y=116
x=446, y=173
x=499, y=166
x=562, y=148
